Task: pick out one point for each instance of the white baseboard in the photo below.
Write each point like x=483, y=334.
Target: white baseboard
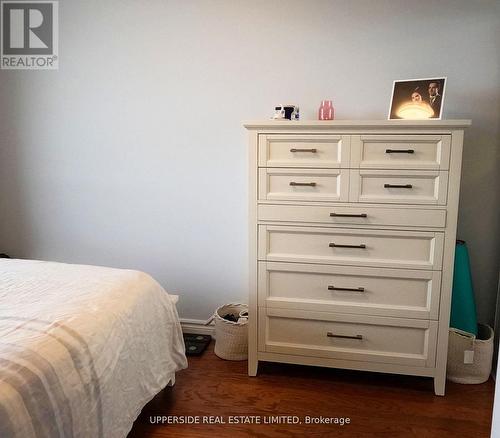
x=197, y=327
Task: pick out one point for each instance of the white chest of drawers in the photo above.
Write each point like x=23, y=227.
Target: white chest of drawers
x=352, y=240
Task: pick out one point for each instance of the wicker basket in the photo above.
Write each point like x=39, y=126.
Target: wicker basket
x=231, y=338
x=479, y=351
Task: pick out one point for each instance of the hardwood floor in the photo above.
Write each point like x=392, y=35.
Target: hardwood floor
x=377, y=404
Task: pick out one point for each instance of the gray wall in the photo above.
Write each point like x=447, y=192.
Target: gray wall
x=133, y=154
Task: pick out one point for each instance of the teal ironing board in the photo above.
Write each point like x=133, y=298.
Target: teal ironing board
x=463, y=305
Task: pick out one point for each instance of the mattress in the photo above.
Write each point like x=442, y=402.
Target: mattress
x=82, y=348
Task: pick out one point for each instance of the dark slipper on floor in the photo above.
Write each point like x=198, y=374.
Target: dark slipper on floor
x=196, y=344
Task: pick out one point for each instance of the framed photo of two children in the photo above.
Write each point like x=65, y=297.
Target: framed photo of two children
x=417, y=99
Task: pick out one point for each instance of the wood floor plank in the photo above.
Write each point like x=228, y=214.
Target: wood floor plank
x=378, y=405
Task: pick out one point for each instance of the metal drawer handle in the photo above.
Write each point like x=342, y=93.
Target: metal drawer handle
x=309, y=184
x=313, y=150
x=399, y=151
x=337, y=245
x=348, y=289
x=332, y=335
x=348, y=215
x=398, y=186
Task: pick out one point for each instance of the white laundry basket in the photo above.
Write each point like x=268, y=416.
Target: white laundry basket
x=470, y=358
x=231, y=338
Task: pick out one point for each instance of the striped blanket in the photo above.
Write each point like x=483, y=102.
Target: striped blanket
x=82, y=348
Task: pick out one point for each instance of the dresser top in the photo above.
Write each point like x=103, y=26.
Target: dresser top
x=336, y=124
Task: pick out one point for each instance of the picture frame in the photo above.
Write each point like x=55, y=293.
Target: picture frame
x=415, y=99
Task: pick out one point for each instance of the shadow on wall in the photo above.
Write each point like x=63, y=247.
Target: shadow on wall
x=16, y=223
x=479, y=207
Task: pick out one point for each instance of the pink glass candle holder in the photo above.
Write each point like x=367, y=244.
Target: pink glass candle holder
x=326, y=111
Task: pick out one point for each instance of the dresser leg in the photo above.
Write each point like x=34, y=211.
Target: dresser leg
x=253, y=365
x=440, y=383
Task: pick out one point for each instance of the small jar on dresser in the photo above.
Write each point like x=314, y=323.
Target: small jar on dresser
x=352, y=240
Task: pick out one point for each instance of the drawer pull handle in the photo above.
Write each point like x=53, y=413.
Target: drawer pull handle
x=348, y=215
x=398, y=186
x=348, y=289
x=332, y=335
x=306, y=184
x=312, y=150
x=338, y=245
x=399, y=151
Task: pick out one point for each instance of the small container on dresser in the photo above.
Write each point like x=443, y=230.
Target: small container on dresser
x=352, y=238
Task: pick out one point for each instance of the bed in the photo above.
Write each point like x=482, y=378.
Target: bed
x=82, y=348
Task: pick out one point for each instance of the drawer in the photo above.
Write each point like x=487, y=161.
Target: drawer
x=370, y=291
x=414, y=217
x=349, y=337
x=319, y=151
x=306, y=185
x=344, y=246
x=430, y=152
x=401, y=187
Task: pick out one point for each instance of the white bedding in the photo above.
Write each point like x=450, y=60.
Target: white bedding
x=82, y=348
